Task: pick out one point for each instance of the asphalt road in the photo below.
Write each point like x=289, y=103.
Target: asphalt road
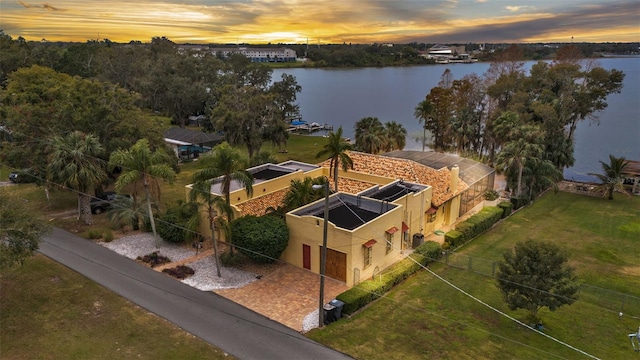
x=233, y=328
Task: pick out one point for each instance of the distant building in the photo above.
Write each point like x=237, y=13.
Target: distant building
x=444, y=51
x=255, y=54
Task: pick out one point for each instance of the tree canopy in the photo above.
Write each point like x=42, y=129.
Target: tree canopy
x=20, y=232
x=535, y=275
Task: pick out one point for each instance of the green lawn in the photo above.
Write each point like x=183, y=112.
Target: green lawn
x=48, y=311
x=425, y=318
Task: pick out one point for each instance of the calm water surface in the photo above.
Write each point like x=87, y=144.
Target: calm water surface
x=341, y=97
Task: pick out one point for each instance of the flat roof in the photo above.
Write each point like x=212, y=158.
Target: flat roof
x=393, y=191
x=260, y=174
x=297, y=165
x=347, y=211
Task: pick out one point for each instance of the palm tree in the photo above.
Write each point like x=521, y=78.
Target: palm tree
x=301, y=192
x=128, y=209
x=423, y=112
x=540, y=175
x=336, y=149
x=396, y=136
x=611, y=178
x=142, y=165
x=516, y=153
x=201, y=192
x=228, y=164
x=73, y=164
x=370, y=135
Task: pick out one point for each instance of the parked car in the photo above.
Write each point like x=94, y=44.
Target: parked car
x=105, y=201
x=23, y=176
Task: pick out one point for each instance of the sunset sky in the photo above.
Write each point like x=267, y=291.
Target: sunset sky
x=324, y=21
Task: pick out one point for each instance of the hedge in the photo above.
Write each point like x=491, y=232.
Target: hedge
x=519, y=201
x=473, y=226
x=506, y=207
x=454, y=238
x=369, y=290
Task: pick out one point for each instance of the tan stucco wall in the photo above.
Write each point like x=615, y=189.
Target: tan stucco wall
x=308, y=230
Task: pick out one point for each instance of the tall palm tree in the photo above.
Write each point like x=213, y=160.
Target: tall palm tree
x=201, y=193
x=369, y=134
x=423, y=112
x=611, y=177
x=73, y=164
x=516, y=153
x=396, y=136
x=228, y=164
x=142, y=165
x=336, y=149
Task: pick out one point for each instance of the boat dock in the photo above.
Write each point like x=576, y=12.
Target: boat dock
x=303, y=126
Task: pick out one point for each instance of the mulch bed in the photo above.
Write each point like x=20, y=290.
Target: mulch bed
x=179, y=272
x=154, y=259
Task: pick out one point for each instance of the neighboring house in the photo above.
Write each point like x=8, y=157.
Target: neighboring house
x=189, y=144
x=384, y=206
x=258, y=54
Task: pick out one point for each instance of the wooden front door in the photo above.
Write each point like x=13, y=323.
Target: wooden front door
x=306, y=256
x=336, y=265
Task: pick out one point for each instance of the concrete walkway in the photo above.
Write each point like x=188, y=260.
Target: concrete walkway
x=231, y=327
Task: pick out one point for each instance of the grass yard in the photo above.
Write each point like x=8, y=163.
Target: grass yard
x=48, y=311
x=426, y=318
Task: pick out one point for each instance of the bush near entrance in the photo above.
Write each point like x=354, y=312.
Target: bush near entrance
x=369, y=290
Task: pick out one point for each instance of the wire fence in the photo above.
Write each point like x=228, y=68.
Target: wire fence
x=611, y=300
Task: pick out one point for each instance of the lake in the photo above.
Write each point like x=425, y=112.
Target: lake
x=341, y=97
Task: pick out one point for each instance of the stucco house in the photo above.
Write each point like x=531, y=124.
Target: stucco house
x=384, y=206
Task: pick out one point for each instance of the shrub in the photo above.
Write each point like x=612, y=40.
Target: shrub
x=175, y=224
x=474, y=226
x=519, y=201
x=491, y=195
x=369, y=290
x=107, y=236
x=226, y=259
x=262, y=239
x=506, y=207
x=454, y=238
x=94, y=234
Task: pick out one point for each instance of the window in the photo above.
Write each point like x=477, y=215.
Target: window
x=368, y=254
x=389, y=242
x=431, y=218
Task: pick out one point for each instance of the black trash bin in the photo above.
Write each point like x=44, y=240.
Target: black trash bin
x=329, y=313
x=418, y=239
x=338, y=310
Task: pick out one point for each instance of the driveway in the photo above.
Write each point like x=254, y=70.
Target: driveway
x=229, y=326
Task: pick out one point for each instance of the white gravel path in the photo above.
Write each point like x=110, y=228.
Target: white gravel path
x=205, y=277
x=310, y=321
